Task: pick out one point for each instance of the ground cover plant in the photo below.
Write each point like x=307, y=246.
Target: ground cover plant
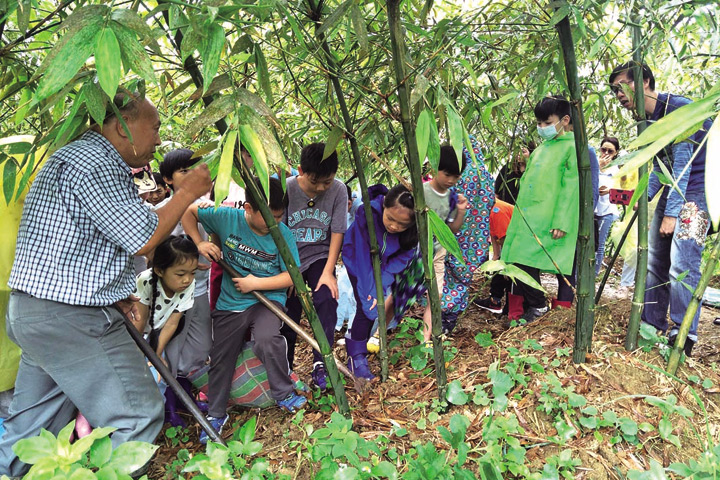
x=381, y=83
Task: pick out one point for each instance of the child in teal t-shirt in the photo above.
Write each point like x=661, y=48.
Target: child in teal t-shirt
x=249, y=249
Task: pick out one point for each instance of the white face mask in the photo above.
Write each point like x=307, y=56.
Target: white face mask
x=549, y=132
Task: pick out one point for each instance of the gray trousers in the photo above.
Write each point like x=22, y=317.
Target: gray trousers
x=189, y=350
x=229, y=329
x=76, y=357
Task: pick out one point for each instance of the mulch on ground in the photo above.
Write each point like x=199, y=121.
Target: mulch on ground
x=611, y=378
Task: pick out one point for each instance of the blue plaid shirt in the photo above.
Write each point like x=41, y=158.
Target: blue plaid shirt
x=82, y=221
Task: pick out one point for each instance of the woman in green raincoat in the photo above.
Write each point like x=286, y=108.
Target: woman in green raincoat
x=542, y=234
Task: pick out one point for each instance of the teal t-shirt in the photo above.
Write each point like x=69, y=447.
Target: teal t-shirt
x=248, y=253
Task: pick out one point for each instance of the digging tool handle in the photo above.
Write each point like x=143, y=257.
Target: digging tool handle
x=285, y=318
x=168, y=377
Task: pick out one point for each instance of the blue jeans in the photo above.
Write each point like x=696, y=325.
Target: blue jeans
x=604, y=224
x=673, y=257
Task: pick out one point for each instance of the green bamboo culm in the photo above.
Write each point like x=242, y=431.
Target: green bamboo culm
x=616, y=253
x=357, y=159
x=631, y=339
x=693, y=306
x=301, y=288
x=397, y=40
x=298, y=282
x=585, y=251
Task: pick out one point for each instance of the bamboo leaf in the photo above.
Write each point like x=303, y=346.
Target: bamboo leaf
x=421, y=87
x=95, y=101
x=640, y=189
x=9, y=175
x=252, y=143
x=559, y=14
x=334, y=18
x=68, y=61
x=222, y=181
x=433, y=150
x=273, y=150
x=263, y=74
x=133, y=54
x=217, y=110
x=457, y=132
x=712, y=172
x=359, y=26
x=133, y=21
x=334, y=138
x=444, y=235
x=422, y=134
x=672, y=125
x=499, y=267
x=24, y=7
x=211, y=49
x=107, y=53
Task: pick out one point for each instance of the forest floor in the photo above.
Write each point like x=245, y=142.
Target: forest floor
x=612, y=379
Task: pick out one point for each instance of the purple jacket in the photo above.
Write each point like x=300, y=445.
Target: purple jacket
x=356, y=252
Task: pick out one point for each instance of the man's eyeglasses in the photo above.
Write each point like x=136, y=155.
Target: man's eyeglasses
x=617, y=87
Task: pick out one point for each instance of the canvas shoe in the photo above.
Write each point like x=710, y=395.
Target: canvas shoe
x=292, y=403
x=489, y=304
x=689, y=343
x=217, y=423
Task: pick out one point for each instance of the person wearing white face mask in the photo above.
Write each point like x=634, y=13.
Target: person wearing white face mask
x=549, y=202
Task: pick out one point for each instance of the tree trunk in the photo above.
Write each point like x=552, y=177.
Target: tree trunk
x=631, y=339
x=357, y=159
x=585, y=252
x=397, y=39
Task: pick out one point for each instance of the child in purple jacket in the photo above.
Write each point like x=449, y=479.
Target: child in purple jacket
x=396, y=232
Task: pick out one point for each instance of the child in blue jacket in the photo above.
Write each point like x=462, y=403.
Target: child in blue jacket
x=396, y=232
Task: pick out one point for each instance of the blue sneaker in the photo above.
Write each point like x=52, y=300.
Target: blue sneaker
x=319, y=376
x=217, y=423
x=292, y=403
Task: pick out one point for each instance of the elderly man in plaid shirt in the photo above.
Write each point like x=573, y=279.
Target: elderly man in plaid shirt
x=72, y=280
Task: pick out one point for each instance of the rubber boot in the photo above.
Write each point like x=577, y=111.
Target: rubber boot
x=187, y=386
x=515, y=306
x=554, y=303
x=357, y=358
x=171, y=415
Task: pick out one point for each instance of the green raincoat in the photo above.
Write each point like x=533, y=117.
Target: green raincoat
x=548, y=199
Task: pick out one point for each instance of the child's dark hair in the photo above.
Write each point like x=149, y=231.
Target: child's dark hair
x=312, y=163
x=400, y=195
x=449, y=161
x=159, y=180
x=278, y=198
x=554, y=105
x=628, y=69
x=170, y=252
x=175, y=160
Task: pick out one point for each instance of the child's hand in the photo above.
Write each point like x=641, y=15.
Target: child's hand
x=462, y=202
x=557, y=234
x=205, y=204
x=329, y=280
x=245, y=284
x=374, y=301
x=209, y=250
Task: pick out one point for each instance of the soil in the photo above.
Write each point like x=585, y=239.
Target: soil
x=612, y=378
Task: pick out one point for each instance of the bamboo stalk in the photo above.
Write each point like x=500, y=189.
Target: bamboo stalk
x=614, y=257
x=693, y=306
x=298, y=282
x=397, y=40
x=585, y=252
x=374, y=248
x=631, y=339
